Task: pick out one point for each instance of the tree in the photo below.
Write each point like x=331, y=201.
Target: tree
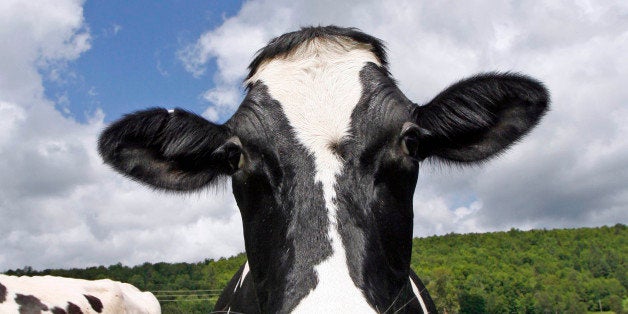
x=443, y=291
x=471, y=303
x=615, y=303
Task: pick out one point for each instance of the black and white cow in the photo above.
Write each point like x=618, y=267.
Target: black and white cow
x=324, y=154
x=58, y=295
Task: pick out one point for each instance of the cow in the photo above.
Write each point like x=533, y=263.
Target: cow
x=323, y=155
x=59, y=295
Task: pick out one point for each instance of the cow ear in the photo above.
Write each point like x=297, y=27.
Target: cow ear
x=175, y=150
x=479, y=117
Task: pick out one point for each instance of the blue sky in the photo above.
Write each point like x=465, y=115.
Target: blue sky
x=133, y=62
x=64, y=62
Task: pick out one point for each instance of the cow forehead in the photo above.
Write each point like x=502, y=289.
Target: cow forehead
x=318, y=87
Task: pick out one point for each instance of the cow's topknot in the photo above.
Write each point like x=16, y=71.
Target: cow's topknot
x=285, y=43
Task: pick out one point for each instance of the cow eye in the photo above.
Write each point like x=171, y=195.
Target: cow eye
x=235, y=158
x=410, y=139
x=410, y=144
x=232, y=152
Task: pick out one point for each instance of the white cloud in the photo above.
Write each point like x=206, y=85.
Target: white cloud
x=568, y=172
x=161, y=69
x=58, y=35
x=222, y=97
x=59, y=205
x=116, y=28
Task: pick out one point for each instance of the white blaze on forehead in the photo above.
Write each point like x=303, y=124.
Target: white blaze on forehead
x=318, y=86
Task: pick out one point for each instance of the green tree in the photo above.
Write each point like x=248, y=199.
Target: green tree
x=615, y=304
x=471, y=303
x=442, y=289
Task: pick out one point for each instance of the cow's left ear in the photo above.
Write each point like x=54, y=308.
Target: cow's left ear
x=176, y=150
x=479, y=117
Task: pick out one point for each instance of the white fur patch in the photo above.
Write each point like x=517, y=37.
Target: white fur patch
x=418, y=296
x=245, y=272
x=318, y=86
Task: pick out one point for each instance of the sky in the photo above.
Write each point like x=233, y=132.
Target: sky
x=68, y=68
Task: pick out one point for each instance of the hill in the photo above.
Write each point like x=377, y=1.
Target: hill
x=537, y=271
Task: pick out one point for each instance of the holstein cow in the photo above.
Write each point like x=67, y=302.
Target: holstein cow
x=58, y=295
x=323, y=154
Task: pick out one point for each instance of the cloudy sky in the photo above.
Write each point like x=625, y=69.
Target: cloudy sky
x=68, y=68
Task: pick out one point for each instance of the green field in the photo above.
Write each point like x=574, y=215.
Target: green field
x=538, y=271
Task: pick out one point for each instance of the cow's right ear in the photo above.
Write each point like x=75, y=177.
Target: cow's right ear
x=175, y=150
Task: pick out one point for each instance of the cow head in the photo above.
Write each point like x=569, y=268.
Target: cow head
x=323, y=154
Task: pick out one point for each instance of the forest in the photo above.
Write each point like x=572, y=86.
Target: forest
x=539, y=271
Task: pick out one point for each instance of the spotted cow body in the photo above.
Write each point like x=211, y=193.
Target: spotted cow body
x=58, y=295
x=324, y=154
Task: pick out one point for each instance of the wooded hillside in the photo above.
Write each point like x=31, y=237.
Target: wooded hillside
x=538, y=271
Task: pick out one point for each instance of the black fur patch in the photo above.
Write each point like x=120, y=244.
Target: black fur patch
x=58, y=310
x=74, y=309
x=238, y=300
x=287, y=42
x=29, y=304
x=3, y=293
x=94, y=302
x=427, y=299
x=283, y=210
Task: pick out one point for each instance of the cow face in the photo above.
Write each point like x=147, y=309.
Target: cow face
x=324, y=155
